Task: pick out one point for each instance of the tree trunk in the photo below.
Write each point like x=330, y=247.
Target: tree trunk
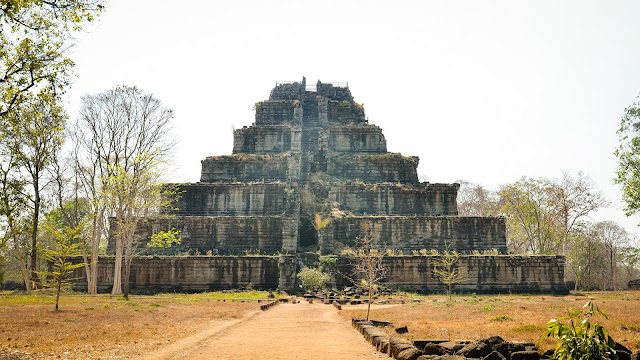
x=34, y=234
x=127, y=272
x=369, y=302
x=117, y=271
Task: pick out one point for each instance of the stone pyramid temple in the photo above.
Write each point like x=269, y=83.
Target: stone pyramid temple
x=300, y=183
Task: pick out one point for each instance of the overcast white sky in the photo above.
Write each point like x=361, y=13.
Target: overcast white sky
x=485, y=91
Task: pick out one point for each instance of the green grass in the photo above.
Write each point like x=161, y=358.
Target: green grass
x=501, y=318
x=527, y=327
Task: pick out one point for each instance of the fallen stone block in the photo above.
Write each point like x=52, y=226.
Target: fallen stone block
x=452, y=347
x=525, y=355
x=411, y=353
x=402, y=330
x=397, y=345
x=475, y=349
x=432, y=349
x=494, y=355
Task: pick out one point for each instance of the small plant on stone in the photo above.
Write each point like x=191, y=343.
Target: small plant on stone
x=579, y=338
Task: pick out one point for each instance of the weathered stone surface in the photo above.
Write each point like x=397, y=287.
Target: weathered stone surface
x=494, y=355
x=525, y=355
x=442, y=357
x=432, y=349
x=411, y=353
x=475, y=349
x=190, y=273
x=268, y=139
x=357, y=139
x=397, y=345
x=487, y=274
x=463, y=234
x=374, y=168
x=218, y=235
x=274, y=112
x=203, y=199
x=245, y=168
x=452, y=346
x=396, y=199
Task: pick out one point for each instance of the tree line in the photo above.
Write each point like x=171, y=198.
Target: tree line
x=65, y=186
x=552, y=216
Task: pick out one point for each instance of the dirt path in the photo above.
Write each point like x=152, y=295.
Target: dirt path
x=286, y=331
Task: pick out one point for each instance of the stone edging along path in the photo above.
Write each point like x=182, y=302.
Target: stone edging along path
x=493, y=348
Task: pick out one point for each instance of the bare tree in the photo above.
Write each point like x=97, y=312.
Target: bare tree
x=121, y=131
x=575, y=199
x=613, y=237
x=475, y=200
x=368, y=267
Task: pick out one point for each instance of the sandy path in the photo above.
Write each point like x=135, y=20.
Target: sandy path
x=286, y=331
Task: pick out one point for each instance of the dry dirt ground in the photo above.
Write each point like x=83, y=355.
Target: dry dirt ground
x=199, y=326
x=185, y=327
x=286, y=331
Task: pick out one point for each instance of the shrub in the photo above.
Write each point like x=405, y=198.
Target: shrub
x=313, y=279
x=581, y=339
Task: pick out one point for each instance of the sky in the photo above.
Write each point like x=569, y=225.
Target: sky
x=483, y=91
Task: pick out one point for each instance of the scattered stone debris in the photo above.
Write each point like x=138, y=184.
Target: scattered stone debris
x=493, y=348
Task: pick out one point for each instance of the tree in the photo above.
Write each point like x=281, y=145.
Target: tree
x=475, y=200
x=33, y=135
x=368, y=266
x=34, y=37
x=121, y=135
x=614, y=238
x=531, y=215
x=62, y=269
x=447, y=271
x=575, y=198
x=628, y=154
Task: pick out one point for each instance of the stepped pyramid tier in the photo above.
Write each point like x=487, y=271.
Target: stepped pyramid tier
x=311, y=153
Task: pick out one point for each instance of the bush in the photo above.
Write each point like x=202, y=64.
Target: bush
x=313, y=279
x=580, y=339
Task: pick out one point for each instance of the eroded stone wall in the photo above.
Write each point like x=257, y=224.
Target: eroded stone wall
x=487, y=274
x=228, y=199
x=151, y=274
x=374, y=168
x=274, y=112
x=357, y=139
x=269, y=139
x=394, y=199
x=245, y=167
x=219, y=235
x=414, y=233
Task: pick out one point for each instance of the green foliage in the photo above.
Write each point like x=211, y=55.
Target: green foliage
x=447, y=271
x=33, y=38
x=60, y=273
x=580, y=338
x=628, y=154
x=313, y=279
x=164, y=239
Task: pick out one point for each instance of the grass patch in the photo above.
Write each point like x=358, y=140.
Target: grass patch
x=501, y=318
x=527, y=327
